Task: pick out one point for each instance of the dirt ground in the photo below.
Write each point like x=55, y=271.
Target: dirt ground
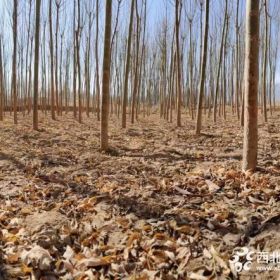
x=163, y=204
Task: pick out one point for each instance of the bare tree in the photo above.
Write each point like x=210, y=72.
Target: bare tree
x=220, y=63
x=27, y=89
x=74, y=62
x=14, y=70
x=96, y=62
x=251, y=79
x=1, y=83
x=78, y=38
x=52, y=60
x=125, y=91
x=135, y=87
x=265, y=61
x=36, y=65
x=178, y=8
x=106, y=78
x=237, y=60
x=203, y=69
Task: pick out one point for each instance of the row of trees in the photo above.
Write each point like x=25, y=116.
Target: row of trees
x=56, y=65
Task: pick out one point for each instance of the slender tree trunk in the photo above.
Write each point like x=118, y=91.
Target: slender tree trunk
x=251, y=79
x=27, y=56
x=191, y=70
x=78, y=36
x=1, y=83
x=36, y=65
x=203, y=70
x=265, y=61
x=60, y=75
x=225, y=70
x=179, y=74
x=237, y=60
x=57, y=3
x=74, y=63
x=270, y=69
x=125, y=92
x=106, y=78
x=52, y=60
x=14, y=70
x=135, y=86
x=96, y=62
x=30, y=77
x=219, y=65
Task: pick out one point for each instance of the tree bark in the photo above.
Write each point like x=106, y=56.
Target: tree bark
x=251, y=79
x=36, y=65
x=96, y=62
x=203, y=70
x=104, y=141
x=237, y=60
x=219, y=65
x=125, y=92
x=1, y=84
x=135, y=86
x=78, y=37
x=179, y=74
x=265, y=61
x=14, y=70
x=52, y=60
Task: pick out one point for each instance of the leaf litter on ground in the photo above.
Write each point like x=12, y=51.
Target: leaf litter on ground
x=164, y=205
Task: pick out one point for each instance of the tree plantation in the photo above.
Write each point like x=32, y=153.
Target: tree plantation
x=139, y=139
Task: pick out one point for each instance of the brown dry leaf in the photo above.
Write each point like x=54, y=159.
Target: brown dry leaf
x=212, y=186
x=94, y=262
x=87, y=205
x=124, y=222
x=160, y=236
x=158, y=256
x=69, y=253
x=27, y=211
x=37, y=257
x=10, y=238
x=26, y=269
x=13, y=258
x=183, y=253
x=134, y=236
x=219, y=260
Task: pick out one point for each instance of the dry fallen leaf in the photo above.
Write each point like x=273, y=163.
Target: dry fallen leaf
x=37, y=257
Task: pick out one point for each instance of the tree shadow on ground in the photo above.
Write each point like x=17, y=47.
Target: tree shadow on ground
x=168, y=155
x=13, y=160
x=3, y=274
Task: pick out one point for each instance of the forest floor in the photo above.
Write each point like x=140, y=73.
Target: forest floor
x=163, y=204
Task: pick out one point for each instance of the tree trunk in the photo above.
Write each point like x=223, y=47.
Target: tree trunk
x=1, y=84
x=203, y=69
x=78, y=37
x=265, y=61
x=14, y=70
x=251, y=79
x=57, y=3
x=179, y=92
x=52, y=60
x=106, y=78
x=96, y=62
x=237, y=61
x=125, y=92
x=219, y=65
x=135, y=86
x=36, y=65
